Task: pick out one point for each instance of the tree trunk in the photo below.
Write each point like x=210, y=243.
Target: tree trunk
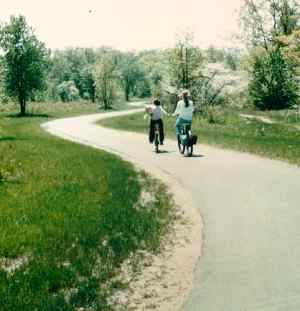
x=127, y=94
x=23, y=107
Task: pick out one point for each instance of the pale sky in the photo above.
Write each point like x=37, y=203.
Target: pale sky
x=126, y=24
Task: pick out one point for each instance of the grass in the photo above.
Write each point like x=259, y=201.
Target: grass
x=227, y=130
x=56, y=109
x=64, y=216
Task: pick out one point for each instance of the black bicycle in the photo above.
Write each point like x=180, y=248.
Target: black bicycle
x=186, y=140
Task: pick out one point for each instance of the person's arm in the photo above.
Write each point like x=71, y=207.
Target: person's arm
x=177, y=110
x=193, y=106
x=164, y=111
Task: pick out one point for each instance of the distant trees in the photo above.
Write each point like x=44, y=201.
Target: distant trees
x=273, y=82
x=131, y=73
x=214, y=55
x=72, y=65
x=25, y=60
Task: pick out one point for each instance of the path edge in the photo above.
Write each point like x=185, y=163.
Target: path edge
x=185, y=258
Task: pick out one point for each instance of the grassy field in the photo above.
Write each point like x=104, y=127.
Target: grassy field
x=65, y=227
x=227, y=129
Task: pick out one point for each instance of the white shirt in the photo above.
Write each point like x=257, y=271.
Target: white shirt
x=184, y=112
x=157, y=112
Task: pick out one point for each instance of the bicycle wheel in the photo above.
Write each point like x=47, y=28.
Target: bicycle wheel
x=189, y=150
x=181, y=147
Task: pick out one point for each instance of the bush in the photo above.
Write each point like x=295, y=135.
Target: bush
x=273, y=84
x=68, y=91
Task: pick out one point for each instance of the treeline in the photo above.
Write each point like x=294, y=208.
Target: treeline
x=31, y=72
x=102, y=75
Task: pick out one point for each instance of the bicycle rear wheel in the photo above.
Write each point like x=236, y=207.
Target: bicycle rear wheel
x=189, y=150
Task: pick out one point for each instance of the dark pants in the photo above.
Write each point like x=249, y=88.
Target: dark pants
x=152, y=130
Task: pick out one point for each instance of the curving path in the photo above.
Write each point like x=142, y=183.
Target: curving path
x=251, y=213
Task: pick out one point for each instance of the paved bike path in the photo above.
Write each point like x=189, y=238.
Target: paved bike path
x=251, y=212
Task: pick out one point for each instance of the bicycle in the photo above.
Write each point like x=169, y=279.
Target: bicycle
x=186, y=140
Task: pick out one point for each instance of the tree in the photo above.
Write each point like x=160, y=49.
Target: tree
x=106, y=76
x=68, y=91
x=273, y=76
x=214, y=55
x=291, y=49
x=263, y=21
x=155, y=65
x=273, y=84
x=3, y=97
x=232, y=58
x=185, y=62
x=131, y=74
x=25, y=60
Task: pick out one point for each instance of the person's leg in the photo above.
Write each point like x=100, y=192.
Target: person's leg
x=151, y=132
x=161, y=131
x=177, y=126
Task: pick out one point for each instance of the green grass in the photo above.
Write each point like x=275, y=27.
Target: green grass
x=227, y=130
x=73, y=212
x=58, y=109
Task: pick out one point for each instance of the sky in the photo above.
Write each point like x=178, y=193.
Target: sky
x=126, y=24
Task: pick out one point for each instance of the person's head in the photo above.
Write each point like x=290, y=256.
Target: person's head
x=156, y=102
x=185, y=97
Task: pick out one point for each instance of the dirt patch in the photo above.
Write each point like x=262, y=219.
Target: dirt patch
x=163, y=281
x=11, y=265
x=259, y=118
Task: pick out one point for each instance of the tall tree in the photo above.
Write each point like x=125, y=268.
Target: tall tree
x=185, y=62
x=131, y=73
x=273, y=82
x=25, y=60
x=264, y=21
x=106, y=76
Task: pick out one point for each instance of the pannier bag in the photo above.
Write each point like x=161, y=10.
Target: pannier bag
x=192, y=140
x=184, y=139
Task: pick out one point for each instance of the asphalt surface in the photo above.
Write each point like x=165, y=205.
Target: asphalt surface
x=250, y=208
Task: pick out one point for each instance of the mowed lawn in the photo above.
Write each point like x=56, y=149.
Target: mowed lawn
x=227, y=129
x=69, y=216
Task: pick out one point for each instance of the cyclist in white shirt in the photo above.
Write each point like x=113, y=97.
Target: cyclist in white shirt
x=156, y=112
x=184, y=112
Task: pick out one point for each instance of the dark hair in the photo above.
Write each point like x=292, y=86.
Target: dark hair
x=156, y=102
x=186, y=100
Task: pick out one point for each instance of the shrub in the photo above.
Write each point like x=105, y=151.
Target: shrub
x=273, y=84
x=68, y=91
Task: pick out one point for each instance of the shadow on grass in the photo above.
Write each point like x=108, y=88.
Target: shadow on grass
x=8, y=138
x=29, y=115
